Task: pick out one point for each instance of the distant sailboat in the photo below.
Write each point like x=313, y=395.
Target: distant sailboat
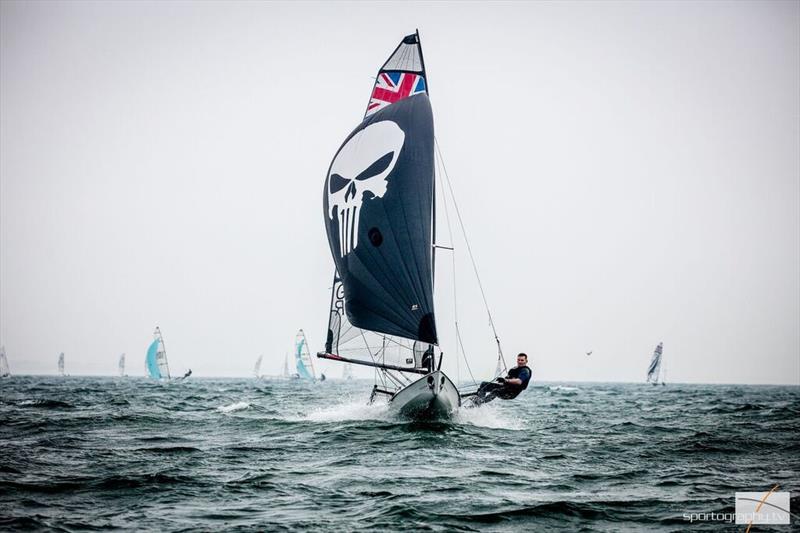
x=302, y=358
x=257, y=368
x=61, y=364
x=653, y=371
x=156, y=359
x=4, y=371
x=122, y=365
x=347, y=372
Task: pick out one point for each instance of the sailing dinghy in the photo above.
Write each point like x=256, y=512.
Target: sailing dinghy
x=379, y=211
x=304, y=364
x=61, y=364
x=654, y=370
x=122, y=365
x=257, y=368
x=155, y=361
x=4, y=370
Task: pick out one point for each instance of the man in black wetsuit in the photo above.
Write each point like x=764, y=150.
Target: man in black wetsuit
x=508, y=387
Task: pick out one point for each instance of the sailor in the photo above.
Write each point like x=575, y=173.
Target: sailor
x=508, y=387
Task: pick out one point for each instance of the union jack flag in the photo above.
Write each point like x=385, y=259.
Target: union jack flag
x=393, y=86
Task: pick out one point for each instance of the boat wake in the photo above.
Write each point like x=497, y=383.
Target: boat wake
x=350, y=409
x=488, y=416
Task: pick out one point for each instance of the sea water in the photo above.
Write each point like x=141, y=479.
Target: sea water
x=129, y=453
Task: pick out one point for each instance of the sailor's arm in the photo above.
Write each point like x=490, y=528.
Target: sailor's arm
x=514, y=381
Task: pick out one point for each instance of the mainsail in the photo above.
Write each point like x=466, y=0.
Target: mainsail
x=257, y=368
x=286, y=365
x=156, y=359
x=302, y=357
x=4, y=371
x=61, y=363
x=122, y=365
x=655, y=364
x=379, y=206
x=348, y=341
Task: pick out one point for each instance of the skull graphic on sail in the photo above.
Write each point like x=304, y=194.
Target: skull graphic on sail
x=360, y=173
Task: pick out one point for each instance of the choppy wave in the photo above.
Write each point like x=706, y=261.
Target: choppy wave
x=272, y=455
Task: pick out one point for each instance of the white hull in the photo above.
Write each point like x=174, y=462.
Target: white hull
x=432, y=396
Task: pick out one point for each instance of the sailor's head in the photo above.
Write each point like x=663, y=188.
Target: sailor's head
x=522, y=359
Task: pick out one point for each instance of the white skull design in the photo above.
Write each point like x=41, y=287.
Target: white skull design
x=362, y=165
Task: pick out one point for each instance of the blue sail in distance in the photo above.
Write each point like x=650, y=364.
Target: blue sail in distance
x=151, y=363
x=302, y=358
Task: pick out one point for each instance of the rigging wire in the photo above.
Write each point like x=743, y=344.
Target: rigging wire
x=460, y=344
x=469, y=251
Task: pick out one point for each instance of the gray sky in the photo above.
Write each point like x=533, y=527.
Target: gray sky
x=628, y=173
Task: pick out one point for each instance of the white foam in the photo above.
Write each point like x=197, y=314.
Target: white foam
x=349, y=410
x=238, y=406
x=563, y=388
x=488, y=416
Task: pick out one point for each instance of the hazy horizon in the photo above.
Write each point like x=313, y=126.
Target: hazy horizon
x=628, y=174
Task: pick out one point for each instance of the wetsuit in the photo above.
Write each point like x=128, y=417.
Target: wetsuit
x=507, y=391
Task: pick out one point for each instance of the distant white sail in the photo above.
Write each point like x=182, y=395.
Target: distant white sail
x=156, y=359
x=655, y=364
x=122, y=365
x=347, y=372
x=4, y=371
x=286, y=365
x=257, y=369
x=61, y=363
x=302, y=358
